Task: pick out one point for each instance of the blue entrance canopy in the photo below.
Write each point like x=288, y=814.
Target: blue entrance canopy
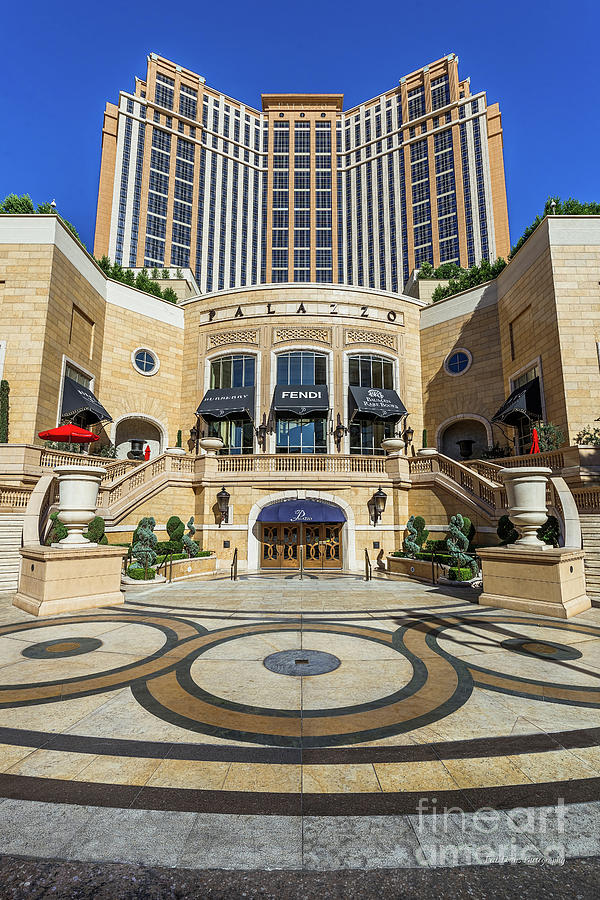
x=301, y=511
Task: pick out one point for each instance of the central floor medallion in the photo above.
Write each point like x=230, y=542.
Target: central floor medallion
x=301, y=662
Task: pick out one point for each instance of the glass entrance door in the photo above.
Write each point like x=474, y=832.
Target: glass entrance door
x=321, y=546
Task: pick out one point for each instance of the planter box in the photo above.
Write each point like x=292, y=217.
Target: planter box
x=190, y=568
x=413, y=568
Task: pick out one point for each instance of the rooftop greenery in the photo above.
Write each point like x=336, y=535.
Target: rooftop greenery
x=23, y=205
x=462, y=279
x=142, y=280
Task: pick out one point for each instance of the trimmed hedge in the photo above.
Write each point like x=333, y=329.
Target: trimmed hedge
x=455, y=574
x=138, y=574
x=4, y=392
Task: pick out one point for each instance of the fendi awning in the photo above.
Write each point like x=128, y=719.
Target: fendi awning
x=227, y=403
x=375, y=403
x=300, y=400
x=78, y=399
x=523, y=402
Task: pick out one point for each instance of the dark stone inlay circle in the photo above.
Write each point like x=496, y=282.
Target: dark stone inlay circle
x=541, y=649
x=301, y=662
x=61, y=648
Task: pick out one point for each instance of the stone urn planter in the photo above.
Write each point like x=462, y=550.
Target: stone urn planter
x=427, y=451
x=526, y=496
x=175, y=451
x=78, y=495
x=210, y=445
x=393, y=446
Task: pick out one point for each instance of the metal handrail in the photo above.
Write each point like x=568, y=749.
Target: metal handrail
x=234, y=566
x=301, y=557
x=368, y=567
x=168, y=560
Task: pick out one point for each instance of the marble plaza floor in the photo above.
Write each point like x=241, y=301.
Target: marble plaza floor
x=439, y=733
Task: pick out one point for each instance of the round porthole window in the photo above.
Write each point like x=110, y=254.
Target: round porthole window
x=458, y=362
x=145, y=361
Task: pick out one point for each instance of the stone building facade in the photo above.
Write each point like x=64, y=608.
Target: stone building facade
x=295, y=379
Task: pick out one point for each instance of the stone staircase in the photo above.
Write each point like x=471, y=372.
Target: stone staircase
x=11, y=529
x=590, y=534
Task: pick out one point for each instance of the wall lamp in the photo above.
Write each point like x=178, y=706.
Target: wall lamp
x=261, y=433
x=195, y=435
x=339, y=432
x=377, y=505
x=223, y=498
x=408, y=435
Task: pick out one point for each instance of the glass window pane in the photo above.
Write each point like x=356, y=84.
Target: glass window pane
x=354, y=373
x=308, y=368
x=238, y=371
x=282, y=369
x=249, y=371
x=226, y=372
x=295, y=368
x=365, y=372
x=320, y=369
x=388, y=375
x=215, y=374
x=377, y=370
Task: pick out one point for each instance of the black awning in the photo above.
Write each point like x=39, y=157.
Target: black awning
x=227, y=403
x=525, y=402
x=301, y=400
x=375, y=403
x=78, y=399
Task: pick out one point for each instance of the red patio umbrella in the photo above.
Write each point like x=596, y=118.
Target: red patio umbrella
x=69, y=433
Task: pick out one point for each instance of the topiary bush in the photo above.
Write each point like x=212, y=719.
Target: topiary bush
x=189, y=544
x=422, y=533
x=409, y=544
x=458, y=543
x=166, y=547
x=95, y=532
x=144, y=548
x=4, y=392
x=175, y=528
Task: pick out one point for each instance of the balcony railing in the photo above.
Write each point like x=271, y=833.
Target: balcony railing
x=303, y=463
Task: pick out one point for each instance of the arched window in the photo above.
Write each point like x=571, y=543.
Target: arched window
x=307, y=434
x=237, y=370
x=366, y=434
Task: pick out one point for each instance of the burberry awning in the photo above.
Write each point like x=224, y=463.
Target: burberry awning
x=227, y=403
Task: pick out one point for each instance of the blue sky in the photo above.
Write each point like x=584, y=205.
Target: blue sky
x=63, y=61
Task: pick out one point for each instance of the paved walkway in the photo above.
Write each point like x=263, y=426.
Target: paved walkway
x=154, y=733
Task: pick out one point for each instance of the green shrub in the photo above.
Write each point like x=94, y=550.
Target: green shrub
x=166, y=547
x=145, y=545
x=551, y=437
x=175, y=528
x=161, y=558
x=4, y=405
x=178, y=441
x=589, y=435
x=549, y=532
x=455, y=574
x=570, y=207
x=190, y=546
x=436, y=546
x=410, y=544
x=95, y=532
x=147, y=520
x=463, y=279
x=204, y=552
x=57, y=530
x=140, y=574
x=506, y=531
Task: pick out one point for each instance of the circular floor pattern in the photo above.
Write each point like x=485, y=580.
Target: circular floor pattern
x=301, y=662
x=61, y=648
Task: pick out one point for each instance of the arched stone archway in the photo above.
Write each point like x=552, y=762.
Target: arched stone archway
x=348, y=530
x=139, y=427
x=464, y=428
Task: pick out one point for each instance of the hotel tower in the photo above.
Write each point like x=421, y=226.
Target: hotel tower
x=301, y=190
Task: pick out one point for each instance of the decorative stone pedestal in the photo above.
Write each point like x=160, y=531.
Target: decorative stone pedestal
x=56, y=580
x=549, y=582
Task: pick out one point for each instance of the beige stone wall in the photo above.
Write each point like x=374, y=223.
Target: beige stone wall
x=125, y=392
x=480, y=390
x=576, y=273
x=49, y=310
